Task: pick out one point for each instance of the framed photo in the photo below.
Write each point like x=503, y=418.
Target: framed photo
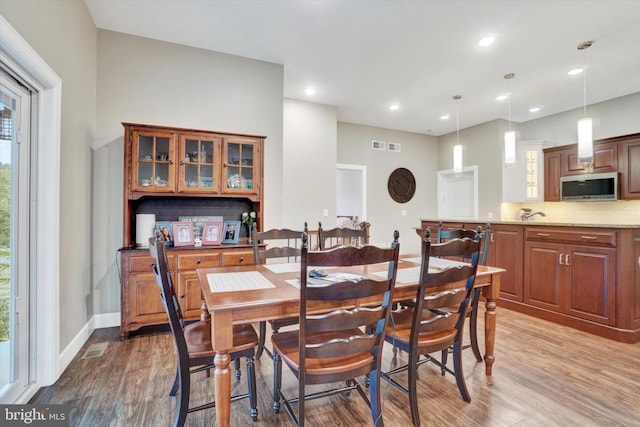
x=212, y=233
x=164, y=229
x=182, y=233
x=231, y=232
x=198, y=223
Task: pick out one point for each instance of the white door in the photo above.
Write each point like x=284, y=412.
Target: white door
x=458, y=194
x=351, y=191
x=15, y=218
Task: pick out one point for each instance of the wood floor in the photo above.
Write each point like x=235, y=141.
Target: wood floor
x=544, y=375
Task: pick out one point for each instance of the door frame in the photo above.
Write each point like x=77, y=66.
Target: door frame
x=25, y=62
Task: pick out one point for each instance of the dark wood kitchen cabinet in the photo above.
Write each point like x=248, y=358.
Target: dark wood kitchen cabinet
x=571, y=272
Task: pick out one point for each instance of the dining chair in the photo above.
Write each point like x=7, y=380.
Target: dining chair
x=343, y=236
x=332, y=346
x=289, y=249
x=472, y=311
x=193, y=343
x=431, y=325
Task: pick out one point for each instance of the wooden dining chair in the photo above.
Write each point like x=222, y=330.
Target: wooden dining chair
x=431, y=325
x=343, y=236
x=284, y=245
x=472, y=311
x=193, y=343
x=332, y=346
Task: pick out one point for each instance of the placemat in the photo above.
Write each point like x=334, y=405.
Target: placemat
x=242, y=281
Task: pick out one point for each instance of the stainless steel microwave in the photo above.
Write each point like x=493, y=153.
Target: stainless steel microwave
x=593, y=186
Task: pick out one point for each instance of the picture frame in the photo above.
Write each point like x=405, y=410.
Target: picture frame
x=231, y=232
x=165, y=230
x=182, y=233
x=198, y=222
x=212, y=233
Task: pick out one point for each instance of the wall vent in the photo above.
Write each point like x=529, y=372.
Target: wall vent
x=394, y=146
x=378, y=145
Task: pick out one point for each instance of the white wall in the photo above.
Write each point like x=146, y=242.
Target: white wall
x=308, y=164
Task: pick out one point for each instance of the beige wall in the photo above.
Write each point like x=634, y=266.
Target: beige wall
x=63, y=34
x=142, y=80
x=419, y=154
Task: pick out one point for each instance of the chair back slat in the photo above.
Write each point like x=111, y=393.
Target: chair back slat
x=340, y=236
x=460, y=233
x=281, y=243
x=338, y=333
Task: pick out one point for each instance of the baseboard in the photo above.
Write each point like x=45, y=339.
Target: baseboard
x=98, y=321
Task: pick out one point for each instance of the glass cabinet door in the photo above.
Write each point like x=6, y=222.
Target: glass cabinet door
x=200, y=164
x=153, y=161
x=240, y=166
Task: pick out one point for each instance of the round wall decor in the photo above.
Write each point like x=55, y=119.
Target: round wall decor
x=401, y=185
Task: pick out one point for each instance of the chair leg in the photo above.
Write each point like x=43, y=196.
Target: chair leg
x=251, y=380
x=443, y=359
x=374, y=397
x=457, y=364
x=185, y=390
x=261, y=337
x=412, y=373
x=277, y=381
x=176, y=382
x=236, y=365
x=473, y=325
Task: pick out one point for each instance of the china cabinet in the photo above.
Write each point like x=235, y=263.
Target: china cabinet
x=172, y=173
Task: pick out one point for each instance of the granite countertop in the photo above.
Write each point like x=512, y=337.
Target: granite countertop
x=536, y=223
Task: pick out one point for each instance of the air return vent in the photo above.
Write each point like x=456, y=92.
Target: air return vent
x=378, y=145
x=394, y=146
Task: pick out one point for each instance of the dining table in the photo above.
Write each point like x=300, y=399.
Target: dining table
x=254, y=293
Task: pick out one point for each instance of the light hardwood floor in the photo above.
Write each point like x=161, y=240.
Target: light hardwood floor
x=544, y=375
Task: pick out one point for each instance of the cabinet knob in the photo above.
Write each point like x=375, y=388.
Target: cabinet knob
x=198, y=261
x=566, y=260
x=560, y=260
x=241, y=258
x=182, y=296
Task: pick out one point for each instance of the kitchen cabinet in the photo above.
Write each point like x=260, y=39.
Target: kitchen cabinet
x=629, y=166
x=552, y=176
x=571, y=272
x=173, y=172
x=605, y=159
x=524, y=181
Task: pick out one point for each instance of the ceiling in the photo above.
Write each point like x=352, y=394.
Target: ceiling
x=362, y=56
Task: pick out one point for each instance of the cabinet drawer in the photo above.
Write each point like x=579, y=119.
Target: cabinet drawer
x=142, y=264
x=192, y=261
x=579, y=236
x=237, y=258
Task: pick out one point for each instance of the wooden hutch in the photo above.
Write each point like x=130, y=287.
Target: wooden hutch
x=174, y=172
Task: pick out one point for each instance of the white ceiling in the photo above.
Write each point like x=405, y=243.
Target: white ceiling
x=361, y=56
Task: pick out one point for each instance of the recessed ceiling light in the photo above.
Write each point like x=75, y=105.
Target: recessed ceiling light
x=394, y=106
x=486, y=41
x=310, y=91
x=501, y=97
x=575, y=71
x=534, y=109
x=444, y=117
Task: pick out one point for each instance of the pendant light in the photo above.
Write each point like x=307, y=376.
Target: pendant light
x=510, y=135
x=457, y=149
x=585, y=125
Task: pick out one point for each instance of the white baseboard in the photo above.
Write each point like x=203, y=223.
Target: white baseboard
x=98, y=321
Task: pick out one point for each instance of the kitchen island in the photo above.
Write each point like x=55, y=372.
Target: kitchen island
x=585, y=276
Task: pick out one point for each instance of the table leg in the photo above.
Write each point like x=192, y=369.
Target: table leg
x=222, y=376
x=491, y=294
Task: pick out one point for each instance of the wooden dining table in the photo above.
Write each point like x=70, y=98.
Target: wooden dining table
x=253, y=293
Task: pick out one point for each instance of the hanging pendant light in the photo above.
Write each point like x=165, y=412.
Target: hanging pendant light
x=457, y=149
x=510, y=135
x=585, y=125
